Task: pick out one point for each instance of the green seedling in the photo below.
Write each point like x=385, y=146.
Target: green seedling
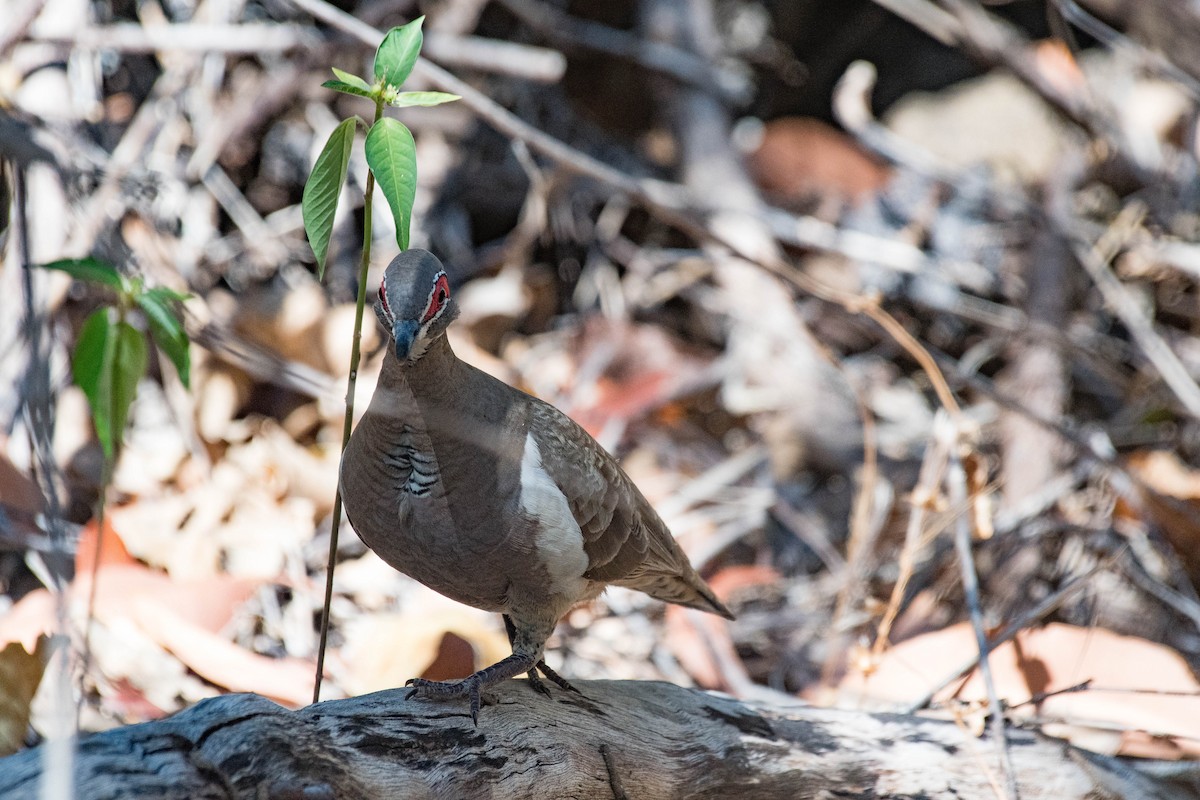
x=110, y=358
x=391, y=154
x=392, y=163
x=111, y=354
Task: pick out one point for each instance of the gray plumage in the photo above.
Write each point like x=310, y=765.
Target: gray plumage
x=491, y=496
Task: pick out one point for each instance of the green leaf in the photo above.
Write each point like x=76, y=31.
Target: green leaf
x=404, y=99
x=392, y=157
x=92, y=270
x=351, y=79
x=170, y=294
x=167, y=329
x=129, y=365
x=92, y=370
x=110, y=359
x=398, y=53
x=346, y=88
x=323, y=187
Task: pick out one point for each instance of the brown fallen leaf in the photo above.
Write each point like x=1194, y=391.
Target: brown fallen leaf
x=208, y=603
x=801, y=161
x=129, y=702
x=382, y=651
x=1138, y=691
x=623, y=371
x=20, y=673
x=1055, y=61
x=1174, y=502
x=16, y=488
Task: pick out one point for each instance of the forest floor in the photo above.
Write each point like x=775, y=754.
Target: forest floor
x=873, y=305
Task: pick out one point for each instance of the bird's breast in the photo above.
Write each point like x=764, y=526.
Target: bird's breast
x=412, y=470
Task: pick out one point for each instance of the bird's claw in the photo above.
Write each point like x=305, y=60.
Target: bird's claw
x=558, y=680
x=538, y=684
x=468, y=686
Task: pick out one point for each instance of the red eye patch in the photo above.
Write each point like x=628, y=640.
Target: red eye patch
x=437, y=297
x=383, y=297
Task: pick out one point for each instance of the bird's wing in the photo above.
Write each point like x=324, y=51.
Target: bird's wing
x=622, y=534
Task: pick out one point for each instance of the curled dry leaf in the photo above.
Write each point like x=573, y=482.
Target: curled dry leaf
x=208, y=603
x=221, y=662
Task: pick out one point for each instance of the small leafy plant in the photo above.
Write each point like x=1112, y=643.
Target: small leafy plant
x=390, y=151
x=392, y=162
x=111, y=355
x=110, y=358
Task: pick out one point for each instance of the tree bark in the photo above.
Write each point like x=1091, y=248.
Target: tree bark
x=619, y=739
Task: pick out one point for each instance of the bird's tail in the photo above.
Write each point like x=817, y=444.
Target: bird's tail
x=686, y=590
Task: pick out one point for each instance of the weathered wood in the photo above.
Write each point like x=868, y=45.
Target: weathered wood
x=662, y=741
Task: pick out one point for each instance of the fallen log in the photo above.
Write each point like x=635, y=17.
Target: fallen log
x=618, y=739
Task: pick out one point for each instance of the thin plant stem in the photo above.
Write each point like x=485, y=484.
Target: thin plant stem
x=86, y=656
x=106, y=476
x=355, y=353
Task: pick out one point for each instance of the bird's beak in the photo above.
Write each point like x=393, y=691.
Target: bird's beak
x=404, y=331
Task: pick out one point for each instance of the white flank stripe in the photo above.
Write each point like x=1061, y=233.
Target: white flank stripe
x=559, y=540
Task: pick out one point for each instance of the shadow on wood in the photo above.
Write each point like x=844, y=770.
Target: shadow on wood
x=620, y=739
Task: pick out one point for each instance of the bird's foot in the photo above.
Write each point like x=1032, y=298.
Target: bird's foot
x=562, y=682
x=472, y=685
x=539, y=685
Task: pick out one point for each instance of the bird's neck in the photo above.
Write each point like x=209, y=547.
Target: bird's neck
x=442, y=395
x=435, y=376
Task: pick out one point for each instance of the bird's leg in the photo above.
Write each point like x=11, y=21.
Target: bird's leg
x=472, y=685
x=534, y=680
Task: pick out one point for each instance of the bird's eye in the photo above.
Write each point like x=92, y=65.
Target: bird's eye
x=437, y=297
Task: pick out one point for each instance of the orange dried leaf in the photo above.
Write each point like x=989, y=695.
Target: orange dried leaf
x=112, y=548
x=221, y=662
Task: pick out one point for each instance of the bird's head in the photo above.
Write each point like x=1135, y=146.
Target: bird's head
x=414, y=303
